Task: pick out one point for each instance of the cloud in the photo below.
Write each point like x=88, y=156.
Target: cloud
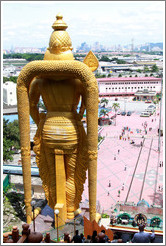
x=104, y=21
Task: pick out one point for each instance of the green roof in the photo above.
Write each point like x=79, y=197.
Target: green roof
x=120, y=215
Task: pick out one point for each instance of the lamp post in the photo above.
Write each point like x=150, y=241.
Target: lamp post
x=34, y=237
x=57, y=212
x=74, y=226
x=33, y=203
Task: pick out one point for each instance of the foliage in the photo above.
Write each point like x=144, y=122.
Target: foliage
x=156, y=99
x=12, y=78
x=105, y=215
x=100, y=75
x=128, y=55
x=136, y=75
x=146, y=75
x=11, y=138
x=104, y=101
x=154, y=68
x=27, y=56
x=103, y=112
x=138, y=71
x=118, y=61
x=115, y=106
x=120, y=75
x=105, y=58
x=79, y=55
x=151, y=52
x=100, y=138
x=146, y=69
x=13, y=208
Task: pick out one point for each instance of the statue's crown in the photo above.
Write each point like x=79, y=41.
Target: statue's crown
x=60, y=45
x=59, y=24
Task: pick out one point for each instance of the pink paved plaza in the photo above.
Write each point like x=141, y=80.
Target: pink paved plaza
x=135, y=168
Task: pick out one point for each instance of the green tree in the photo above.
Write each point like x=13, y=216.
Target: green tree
x=104, y=101
x=100, y=75
x=105, y=58
x=7, y=142
x=103, y=112
x=118, y=61
x=138, y=71
x=156, y=99
x=120, y=75
x=27, y=56
x=127, y=55
x=12, y=78
x=115, y=106
x=154, y=68
x=5, y=79
x=11, y=138
x=146, y=69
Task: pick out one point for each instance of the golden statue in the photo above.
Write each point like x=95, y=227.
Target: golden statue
x=63, y=150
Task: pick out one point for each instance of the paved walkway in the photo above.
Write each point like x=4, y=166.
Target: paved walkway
x=119, y=169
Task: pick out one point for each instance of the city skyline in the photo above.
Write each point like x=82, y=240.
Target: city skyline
x=28, y=24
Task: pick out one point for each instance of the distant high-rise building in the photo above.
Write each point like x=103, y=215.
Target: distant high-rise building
x=84, y=47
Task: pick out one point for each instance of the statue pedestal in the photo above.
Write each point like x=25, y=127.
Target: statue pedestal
x=61, y=215
x=60, y=187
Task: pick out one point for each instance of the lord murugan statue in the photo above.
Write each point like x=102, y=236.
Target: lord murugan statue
x=64, y=151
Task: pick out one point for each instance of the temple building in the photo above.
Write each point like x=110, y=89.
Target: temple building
x=110, y=87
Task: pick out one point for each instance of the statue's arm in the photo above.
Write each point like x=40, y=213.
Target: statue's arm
x=34, y=95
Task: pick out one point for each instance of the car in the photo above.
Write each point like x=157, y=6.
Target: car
x=150, y=110
x=118, y=113
x=152, y=106
x=128, y=113
x=145, y=114
x=148, y=101
x=123, y=113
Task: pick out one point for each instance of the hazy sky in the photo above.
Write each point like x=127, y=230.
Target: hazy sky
x=28, y=24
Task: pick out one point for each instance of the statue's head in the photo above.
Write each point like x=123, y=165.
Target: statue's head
x=60, y=46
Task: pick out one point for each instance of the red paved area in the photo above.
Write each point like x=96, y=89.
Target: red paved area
x=111, y=165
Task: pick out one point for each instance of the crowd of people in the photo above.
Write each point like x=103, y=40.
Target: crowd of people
x=101, y=237
x=94, y=238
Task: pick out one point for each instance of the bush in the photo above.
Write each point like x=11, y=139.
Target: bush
x=104, y=216
x=99, y=138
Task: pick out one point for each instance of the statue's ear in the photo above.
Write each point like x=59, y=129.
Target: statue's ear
x=91, y=61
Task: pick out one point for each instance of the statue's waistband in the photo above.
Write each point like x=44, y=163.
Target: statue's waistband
x=61, y=114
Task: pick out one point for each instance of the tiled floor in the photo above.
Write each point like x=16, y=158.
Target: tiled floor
x=111, y=165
